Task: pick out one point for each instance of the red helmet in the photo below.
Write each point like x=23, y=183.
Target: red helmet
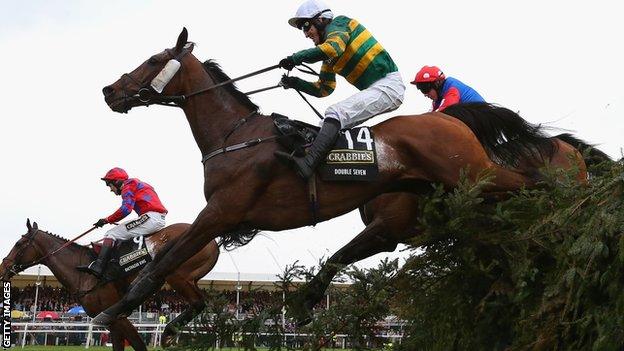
x=115, y=174
x=428, y=74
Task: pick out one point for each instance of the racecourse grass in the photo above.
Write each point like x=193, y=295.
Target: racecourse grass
x=100, y=348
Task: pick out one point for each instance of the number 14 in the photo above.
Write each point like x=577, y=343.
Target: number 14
x=363, y=137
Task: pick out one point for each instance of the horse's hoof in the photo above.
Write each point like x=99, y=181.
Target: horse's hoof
x=102, y=319
x=167, y=341
x=168, y=337
x=301, y=313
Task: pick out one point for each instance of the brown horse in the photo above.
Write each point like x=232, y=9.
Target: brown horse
x=249, y=189
x=94, y=296
x=391, y=219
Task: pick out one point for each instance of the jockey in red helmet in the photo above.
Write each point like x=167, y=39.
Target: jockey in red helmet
x=442, y=90
x=135, y=195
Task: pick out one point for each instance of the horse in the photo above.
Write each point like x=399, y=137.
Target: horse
x=391, y=219
x=247, y=189
x=37, y=245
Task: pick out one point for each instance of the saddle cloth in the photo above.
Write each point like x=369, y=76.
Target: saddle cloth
x=128, y=257
x=353, y=157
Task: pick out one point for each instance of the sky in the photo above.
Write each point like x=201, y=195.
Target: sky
x=556, y=62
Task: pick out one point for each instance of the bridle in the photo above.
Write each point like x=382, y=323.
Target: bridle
x=147, y=95
x=30, y=236
x=19, y=267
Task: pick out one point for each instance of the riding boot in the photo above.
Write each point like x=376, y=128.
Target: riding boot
x=323, y=143
x=98, y=266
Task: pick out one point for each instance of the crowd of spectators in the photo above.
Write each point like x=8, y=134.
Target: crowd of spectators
x=60, y=300
x=48, y=299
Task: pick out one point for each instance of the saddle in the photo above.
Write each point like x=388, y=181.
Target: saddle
x=128, y=257
x=295, y=136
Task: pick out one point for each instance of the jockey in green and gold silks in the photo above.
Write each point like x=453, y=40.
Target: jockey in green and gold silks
x=346, y=47
x=349, y=50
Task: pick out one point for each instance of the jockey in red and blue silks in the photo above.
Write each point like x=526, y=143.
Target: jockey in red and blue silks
x=442, y=90
x=137, y=196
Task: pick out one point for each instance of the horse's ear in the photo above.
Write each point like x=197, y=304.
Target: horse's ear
x=182, y=39
x=35, y=226
x=28, y=224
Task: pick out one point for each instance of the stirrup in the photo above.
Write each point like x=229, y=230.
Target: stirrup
x=87, y=269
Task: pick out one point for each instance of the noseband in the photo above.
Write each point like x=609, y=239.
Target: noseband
x=147, y=95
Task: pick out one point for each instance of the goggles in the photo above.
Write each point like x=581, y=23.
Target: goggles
x=305, y=25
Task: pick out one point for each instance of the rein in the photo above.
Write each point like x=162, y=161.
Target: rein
x=148, y=94
x=254, y=142
x=16, y=268
x=64, y=246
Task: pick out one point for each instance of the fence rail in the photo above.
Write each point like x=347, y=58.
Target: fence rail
x=23, y=329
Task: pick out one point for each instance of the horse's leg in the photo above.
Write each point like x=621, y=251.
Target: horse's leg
x=194, y=296
x=184, y=282
x=390, y=219
x=127, y=331
x=116, y=338
x=369, y=242
x=208, y=225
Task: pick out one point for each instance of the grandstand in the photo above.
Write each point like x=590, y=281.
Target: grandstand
x=247, y=296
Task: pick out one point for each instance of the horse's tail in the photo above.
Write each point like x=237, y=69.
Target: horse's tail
x=591, y=155
x=505, y=136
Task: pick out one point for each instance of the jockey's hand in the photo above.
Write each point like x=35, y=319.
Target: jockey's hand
x=287, y=63
x=100, y=223
x=288, y=82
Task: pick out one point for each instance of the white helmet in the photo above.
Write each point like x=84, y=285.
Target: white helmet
x=311, y=9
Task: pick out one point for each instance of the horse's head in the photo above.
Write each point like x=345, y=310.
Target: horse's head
x=22, y=255
x=155, y=81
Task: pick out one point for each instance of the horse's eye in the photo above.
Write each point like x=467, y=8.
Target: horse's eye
x=152, y=61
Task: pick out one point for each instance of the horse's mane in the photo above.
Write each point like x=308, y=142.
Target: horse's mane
x=216, y=72
x=506, y=137
x=74, y=244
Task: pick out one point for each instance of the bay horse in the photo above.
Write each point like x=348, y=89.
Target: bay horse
x=248, y=190
x=94, y=296
x=392, y=219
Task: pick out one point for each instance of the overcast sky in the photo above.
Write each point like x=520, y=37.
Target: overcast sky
x=557, y=62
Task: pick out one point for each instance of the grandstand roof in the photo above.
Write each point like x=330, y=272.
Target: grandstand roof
x=218, y=280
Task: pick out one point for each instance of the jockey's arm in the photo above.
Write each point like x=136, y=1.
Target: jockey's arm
x=127, y=203
x=324, y=86
x=451, y=97
x=333, y=47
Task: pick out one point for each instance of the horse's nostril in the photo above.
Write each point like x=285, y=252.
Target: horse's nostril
x=107, y=91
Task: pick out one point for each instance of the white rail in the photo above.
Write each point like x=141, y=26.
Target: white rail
x=46, y=328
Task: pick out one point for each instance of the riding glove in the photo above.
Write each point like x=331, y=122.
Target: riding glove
x=288, y=82
x=100, y=223
x=287, y=63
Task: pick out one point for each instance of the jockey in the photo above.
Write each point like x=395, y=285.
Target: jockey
x=135, y=195
x=349, y=49
x=442, y=90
